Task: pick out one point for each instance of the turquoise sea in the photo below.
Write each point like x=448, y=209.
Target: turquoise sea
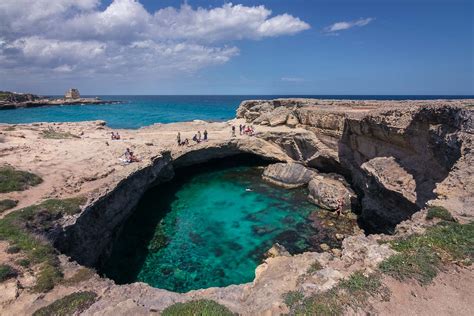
x=138, y=111
x=210, y=226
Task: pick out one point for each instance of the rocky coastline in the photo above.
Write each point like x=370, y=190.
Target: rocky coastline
x=10, y=101
x=389, y=159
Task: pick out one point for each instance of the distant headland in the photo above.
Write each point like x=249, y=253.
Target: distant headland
x=13, y=100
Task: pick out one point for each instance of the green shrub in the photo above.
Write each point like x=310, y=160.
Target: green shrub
x=72, y=304
x=420, y=256
x=293, y=298
x=197, y=308
x=315, y=266
x=16, y=180
x=439, y=212
x=13, y=249
x=7, y=204
x=23, y=262
x=19, y=228
x=6, y=272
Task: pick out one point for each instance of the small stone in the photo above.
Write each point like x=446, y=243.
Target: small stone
x=324, y=247
x=336, y=252
x=277, y=250
x=339, y=236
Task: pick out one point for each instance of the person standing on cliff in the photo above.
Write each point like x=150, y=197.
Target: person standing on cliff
x=178, y=138
x=199, y=136
x=205, y=134
x=233, y=131
x=240, y=129
x=340, y=206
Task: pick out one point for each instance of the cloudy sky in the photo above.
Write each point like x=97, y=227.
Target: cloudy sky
x=244, y=47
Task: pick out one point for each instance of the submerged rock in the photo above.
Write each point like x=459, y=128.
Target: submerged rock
x=288, y=175
x=325, y=191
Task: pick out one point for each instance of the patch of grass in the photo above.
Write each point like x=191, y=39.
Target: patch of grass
x=421, y=256
x=439, y=212
x=6, y=272
x=21, y=229
x=315, y=266
x=54, y=134
x=48, y=277
x=352, y=292
x=293, y=298
x=197, y=308
x=81, y=275
x=23, y=262
x=72, y=304
x=16, y=180
x=7, y=204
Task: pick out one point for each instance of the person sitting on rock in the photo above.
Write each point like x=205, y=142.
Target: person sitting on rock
x=195, y=138
x=130, y=157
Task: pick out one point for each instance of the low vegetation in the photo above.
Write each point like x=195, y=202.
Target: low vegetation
x=16, y=180
x=439, y=212
x=23, y=228
x=6, y=272
x=420, y=257
x=195, y=308
x=315, y=266
x=72, y=304
x=353, y=292
x=50, y=133
x=7, y=204
x=83, y=274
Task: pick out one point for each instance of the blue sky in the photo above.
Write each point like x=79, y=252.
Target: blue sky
x=301, y=47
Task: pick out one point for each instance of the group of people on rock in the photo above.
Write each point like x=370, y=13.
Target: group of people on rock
x=114, y=136
x=130, y=156
x=246, y=130
x=197, y=138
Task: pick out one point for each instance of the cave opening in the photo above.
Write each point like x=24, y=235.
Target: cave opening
x=211, y=226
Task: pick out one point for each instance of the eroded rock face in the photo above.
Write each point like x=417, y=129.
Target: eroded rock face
x=398, y=155
x=288, y=175
x=326, y=191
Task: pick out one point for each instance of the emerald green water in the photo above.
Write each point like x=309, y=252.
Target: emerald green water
x=210, y=228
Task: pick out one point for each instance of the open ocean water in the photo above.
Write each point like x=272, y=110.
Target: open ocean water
x=138, y=111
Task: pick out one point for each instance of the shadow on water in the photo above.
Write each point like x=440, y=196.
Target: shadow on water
x=131, y=249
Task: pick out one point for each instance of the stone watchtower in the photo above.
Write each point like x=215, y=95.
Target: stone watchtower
x=72, y=94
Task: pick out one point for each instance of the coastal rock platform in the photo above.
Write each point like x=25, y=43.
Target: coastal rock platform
x=398, y=156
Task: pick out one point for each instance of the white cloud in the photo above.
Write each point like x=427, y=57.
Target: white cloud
x=65, y=36
x=341, y=26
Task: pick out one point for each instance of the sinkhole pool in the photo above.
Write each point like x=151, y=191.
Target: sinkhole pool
x=210, y=226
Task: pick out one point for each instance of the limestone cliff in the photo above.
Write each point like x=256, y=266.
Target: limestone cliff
x=394, y=153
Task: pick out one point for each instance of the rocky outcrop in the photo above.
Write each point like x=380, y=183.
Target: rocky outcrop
x=326, y=191
x=288, y=175
x=398, y=155
x=90, y=236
